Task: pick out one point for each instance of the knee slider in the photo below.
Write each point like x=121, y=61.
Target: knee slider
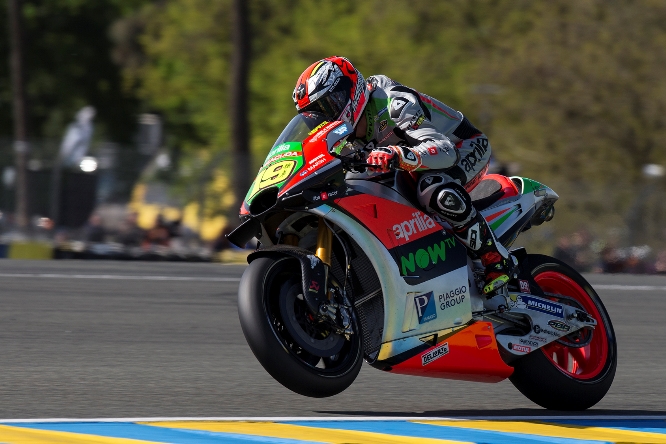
x=452, y=202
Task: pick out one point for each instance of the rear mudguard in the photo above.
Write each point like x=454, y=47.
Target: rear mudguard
x=314, y=272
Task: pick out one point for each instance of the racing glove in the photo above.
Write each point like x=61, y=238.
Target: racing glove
x=386, y=157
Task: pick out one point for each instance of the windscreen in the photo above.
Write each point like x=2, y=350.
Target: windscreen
x=300, y=126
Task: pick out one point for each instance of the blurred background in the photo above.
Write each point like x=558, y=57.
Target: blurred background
x=131, y=129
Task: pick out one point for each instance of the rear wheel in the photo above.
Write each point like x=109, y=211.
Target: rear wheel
x=577, y=371
x=302, y=354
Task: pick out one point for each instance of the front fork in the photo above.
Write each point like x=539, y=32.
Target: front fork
x=324, y=242
x=338, y=314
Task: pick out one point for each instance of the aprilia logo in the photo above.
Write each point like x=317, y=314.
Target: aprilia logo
x=413, y=226
x=480, y=147
x=434, y=354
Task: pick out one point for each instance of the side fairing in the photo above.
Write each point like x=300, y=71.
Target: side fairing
x=425, y=287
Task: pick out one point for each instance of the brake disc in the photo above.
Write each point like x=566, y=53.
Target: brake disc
x=314, y=337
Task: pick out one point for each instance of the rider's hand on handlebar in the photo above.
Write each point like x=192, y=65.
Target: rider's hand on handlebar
x=383, y=158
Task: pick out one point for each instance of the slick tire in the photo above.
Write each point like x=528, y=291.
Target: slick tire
x=261, y=320
x=559, y=377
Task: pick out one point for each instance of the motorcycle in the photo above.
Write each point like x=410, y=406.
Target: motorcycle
x=348, y=268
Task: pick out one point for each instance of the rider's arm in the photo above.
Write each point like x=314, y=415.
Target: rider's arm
x=434, y=150
x=426, y=146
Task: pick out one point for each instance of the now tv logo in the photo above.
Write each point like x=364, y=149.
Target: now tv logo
x=425, y=257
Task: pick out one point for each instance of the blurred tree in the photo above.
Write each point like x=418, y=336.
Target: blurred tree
x=580, y=103
x=584, y=103
x=19, y=111
x=68, y=65
x=240, y=64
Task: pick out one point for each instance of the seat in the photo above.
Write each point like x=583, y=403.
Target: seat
x=491, y=189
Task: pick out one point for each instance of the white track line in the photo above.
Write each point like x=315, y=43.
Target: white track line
x=353, y=418
x=231, y=279
x=630, y=287
x=118, y=277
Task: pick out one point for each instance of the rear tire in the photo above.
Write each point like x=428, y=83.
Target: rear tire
x=560, y=375
x=262, y=300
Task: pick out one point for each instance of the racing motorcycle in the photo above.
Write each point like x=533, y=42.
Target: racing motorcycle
x=349, y=268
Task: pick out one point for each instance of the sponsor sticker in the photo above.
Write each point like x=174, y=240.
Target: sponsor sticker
x=425, y=258
x=559, y=325
x=322, y=132
x=420, y=222
x=530, y=343
x=452, y=298
x=280, y=148
x=280, y=156
x=538, y=338
x=416, y=124
x=524, y=286
x=543, y=306
x=317, y=128
x=434, y=354
x=341, y=131
x=382, y=125
x=425, y=307
x=480, y=147
x=539, y=329
x=314, y=260
x=315, y=159
x=521, y=348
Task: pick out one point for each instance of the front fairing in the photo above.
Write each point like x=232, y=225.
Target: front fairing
x=299, y=156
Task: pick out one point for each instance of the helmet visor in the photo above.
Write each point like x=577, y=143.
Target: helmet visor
x=331, y=105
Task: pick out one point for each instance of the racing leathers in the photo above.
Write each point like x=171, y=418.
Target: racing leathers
x=449, y=156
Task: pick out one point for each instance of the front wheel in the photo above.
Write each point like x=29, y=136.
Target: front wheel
x=301, y=354
x=568, y=374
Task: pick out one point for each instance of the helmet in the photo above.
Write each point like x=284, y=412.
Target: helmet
x=333, y=87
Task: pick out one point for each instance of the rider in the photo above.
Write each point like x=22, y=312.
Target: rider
x=411, y=131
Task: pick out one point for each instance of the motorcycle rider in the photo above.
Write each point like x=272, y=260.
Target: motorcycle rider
x=411, y=131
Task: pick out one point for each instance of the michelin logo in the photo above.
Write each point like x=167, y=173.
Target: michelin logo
x=434, y=354
x=543, y=306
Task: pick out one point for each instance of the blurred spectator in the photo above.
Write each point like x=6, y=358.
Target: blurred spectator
x=130, y=234
x=94, y=231
x=660, y=263
x=564, y=252
x=583, y=254
x=612, y=260
x=637, y=262
x=158, y=235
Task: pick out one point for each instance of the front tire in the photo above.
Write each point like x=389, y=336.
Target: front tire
x=276, y=324
x=563, y=375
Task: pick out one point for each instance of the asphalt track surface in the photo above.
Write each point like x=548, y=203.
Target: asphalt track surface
x=93, y=339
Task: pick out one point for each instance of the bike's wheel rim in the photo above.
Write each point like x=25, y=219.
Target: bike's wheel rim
x=582, y=363
x=272, y=310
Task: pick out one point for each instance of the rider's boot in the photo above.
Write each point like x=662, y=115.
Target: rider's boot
x=480, y=240
x=452, y=203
